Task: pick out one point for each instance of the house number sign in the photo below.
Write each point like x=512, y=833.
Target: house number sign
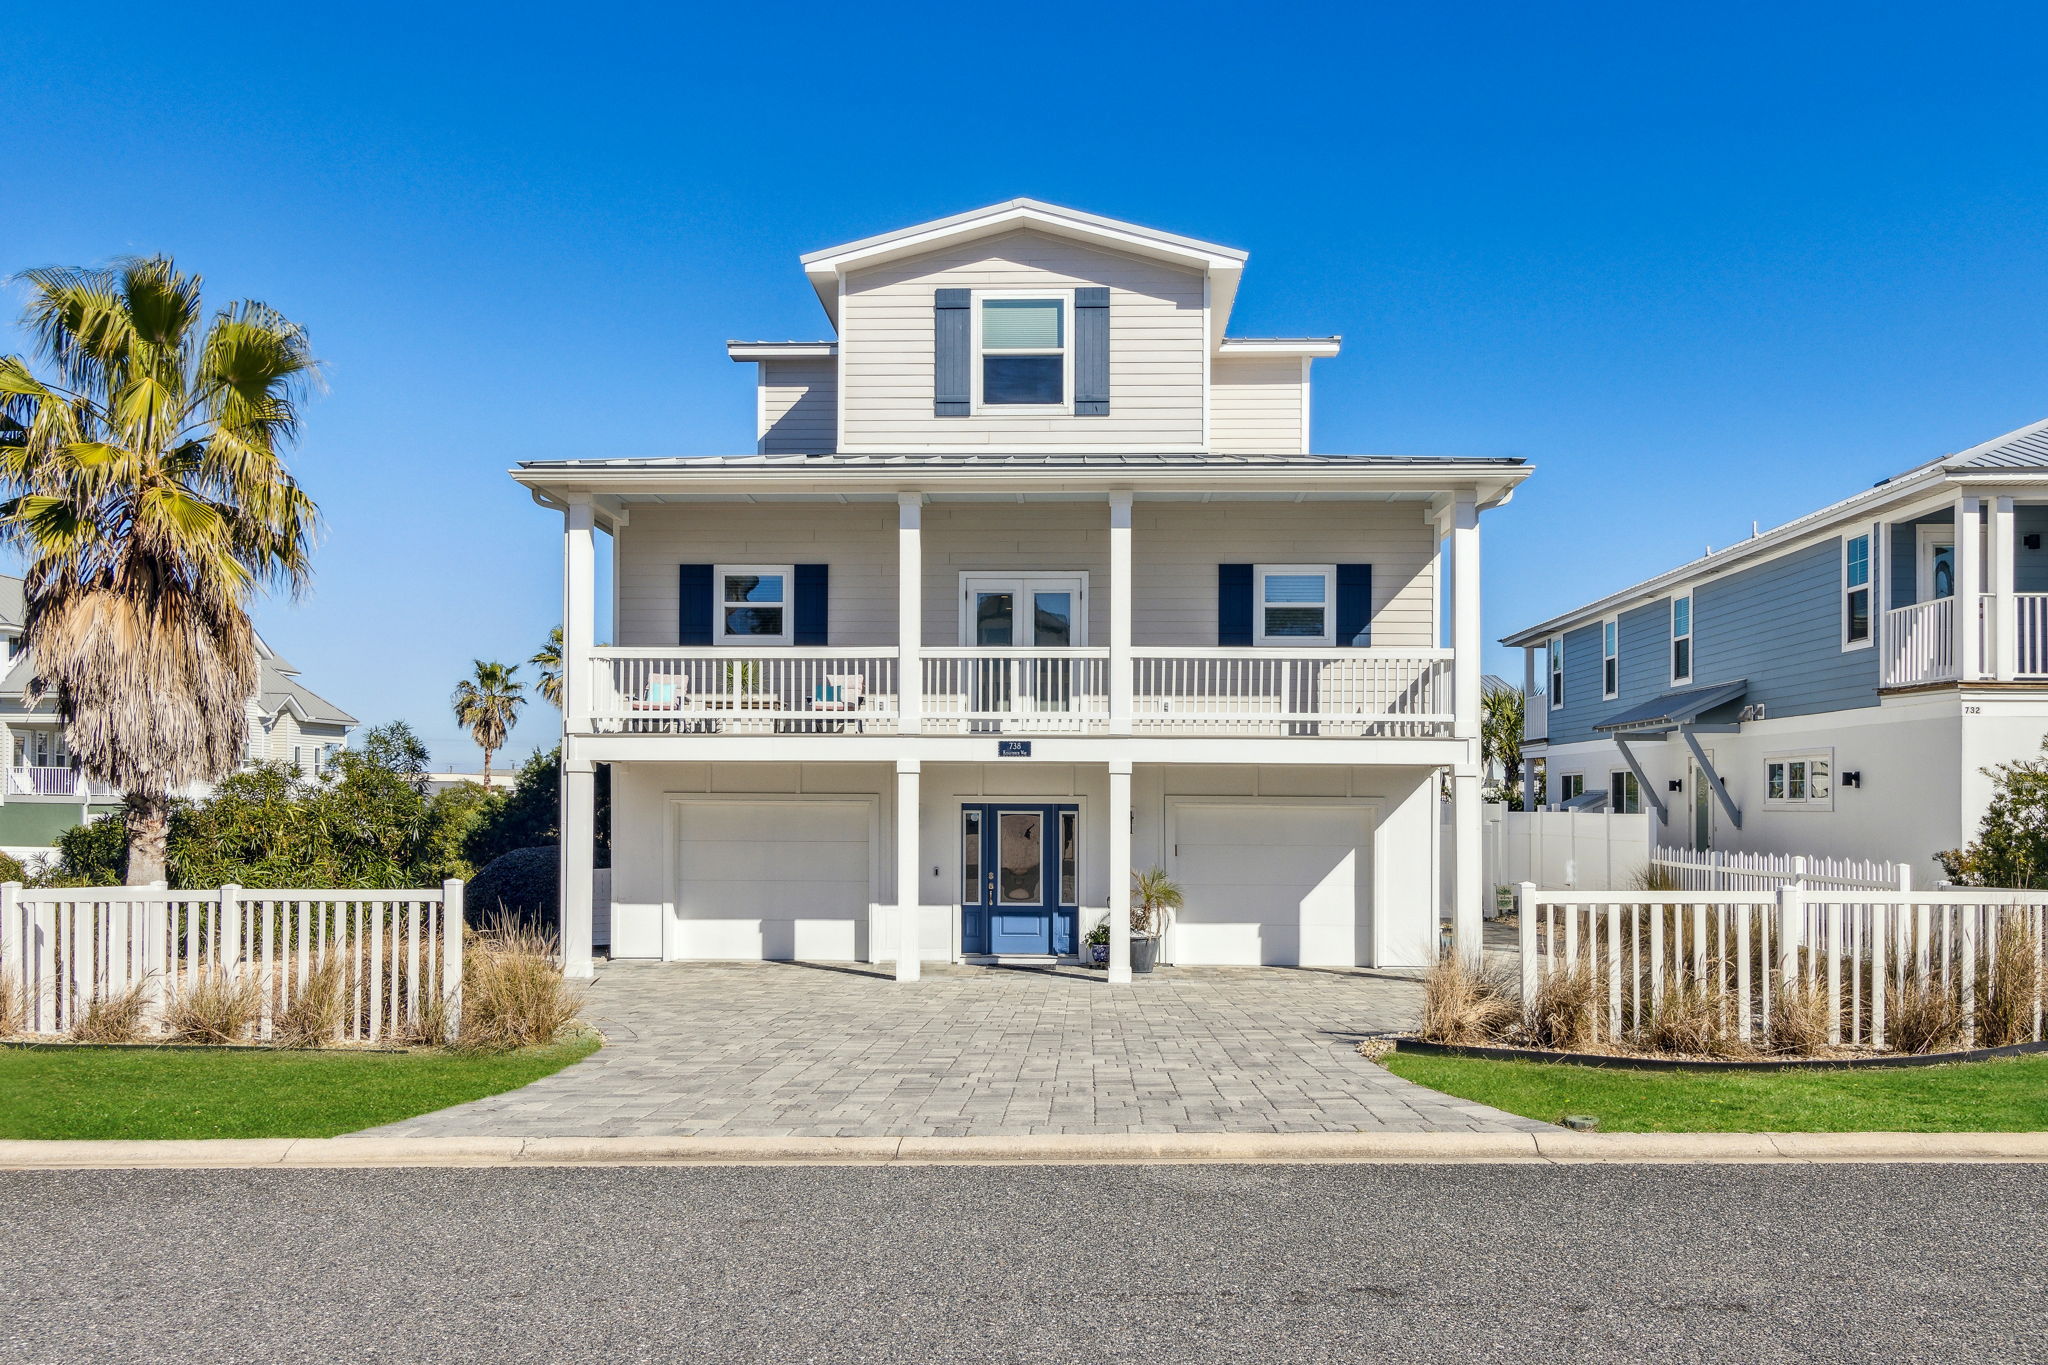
x=1013, y=748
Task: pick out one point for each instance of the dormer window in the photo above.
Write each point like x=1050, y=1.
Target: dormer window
x=1024, y=353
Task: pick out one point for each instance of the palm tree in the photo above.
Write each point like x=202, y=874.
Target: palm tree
x=1500, y=739
x=488, y=704
x=1153, y=896
x=549, y=661
x=144, y=484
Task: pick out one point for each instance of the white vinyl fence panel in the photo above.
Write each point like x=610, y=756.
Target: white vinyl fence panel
x=1563, y=848
x=399, y=952
x=1746, y=949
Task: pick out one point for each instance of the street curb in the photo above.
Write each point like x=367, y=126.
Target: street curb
x=1553, y=1147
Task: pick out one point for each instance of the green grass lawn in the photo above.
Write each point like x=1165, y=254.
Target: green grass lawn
x=2008, y=1095
x=107, y=1092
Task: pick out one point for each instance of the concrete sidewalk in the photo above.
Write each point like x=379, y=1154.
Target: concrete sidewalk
x=1550, y=1145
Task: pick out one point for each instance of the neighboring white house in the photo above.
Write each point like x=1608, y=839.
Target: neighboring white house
x=500, y=781
x=1032, y=581
x=1835, y=686
x=45, y=794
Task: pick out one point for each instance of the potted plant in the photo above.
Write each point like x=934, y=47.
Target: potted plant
x=1154, y=896
x=1096, y=951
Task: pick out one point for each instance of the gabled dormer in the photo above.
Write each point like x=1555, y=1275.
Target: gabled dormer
x=1023, y=327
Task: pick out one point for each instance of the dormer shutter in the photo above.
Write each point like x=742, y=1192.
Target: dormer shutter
x=1091, y=353
x=952, y=343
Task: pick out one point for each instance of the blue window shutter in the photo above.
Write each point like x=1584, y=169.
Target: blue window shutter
x=694, y=605
x=1233, y=604
x=1354, y=605
x=951, y=344
x=813, y=594
x=1091, y=353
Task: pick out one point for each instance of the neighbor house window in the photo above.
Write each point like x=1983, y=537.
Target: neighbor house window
x=1023, y=352
x=1801, y=780
x=1570, y=786
x=1681, y=639
x=1296, y=603
x=1624, y=793
x=1556, y=672
x=753, y=604
x=1856, y=592
x=1610, y=659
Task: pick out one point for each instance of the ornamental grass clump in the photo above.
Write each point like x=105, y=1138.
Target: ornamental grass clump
x=1561, y=1017
x=1687, y=1020
x=1465, y=1004
x=216, y=1007
x=1923, y=1016
x=115, y=1018
x=513, y=991
x=317, y=1007
x=13, y=1006
x=1799, y=1019
x=2009, y=987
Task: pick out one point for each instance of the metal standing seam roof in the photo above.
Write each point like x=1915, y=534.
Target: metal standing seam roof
x=2026, y=448
x=1674, y=708
x=1046, y=460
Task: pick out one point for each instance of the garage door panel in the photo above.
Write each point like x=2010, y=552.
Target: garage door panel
x=1277, y=885
x=772, y=880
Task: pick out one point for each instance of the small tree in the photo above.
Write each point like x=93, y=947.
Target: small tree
x=2011, y=848
x=1154, y=895
x=1500, y=740
x=486, y=705
x=548, y=659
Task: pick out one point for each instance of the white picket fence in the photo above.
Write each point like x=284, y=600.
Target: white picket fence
x=400, y=952
x=1746, y=948
x=1716, y=870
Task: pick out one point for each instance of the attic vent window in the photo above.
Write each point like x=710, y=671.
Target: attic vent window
x=1023, y=352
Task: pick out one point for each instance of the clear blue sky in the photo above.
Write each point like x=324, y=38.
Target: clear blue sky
x=1702, y=265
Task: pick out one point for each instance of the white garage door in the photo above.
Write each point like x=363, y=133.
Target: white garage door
x=1272, y=885
x=771, y=879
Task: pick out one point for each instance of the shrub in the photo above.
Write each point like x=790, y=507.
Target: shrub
x=1799, y=1019
x=317, y=1008
x=2011, y=848
x=1463, y=1004
x=1561, y=1015
x=1923, y=1017
x=113, y=1018
x=521, y=887
x=218, y=1007
x=513, y=991
x=11, y=869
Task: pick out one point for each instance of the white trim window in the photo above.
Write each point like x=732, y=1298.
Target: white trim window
x=1556, y=652
x=1023, y=349
x=1610, y=658
x=1296, y=605
x=1800, y=781
x=1681, y=639
x=1856, y=591
x=755, y=604
x=1570, y=787
x=1624, y=793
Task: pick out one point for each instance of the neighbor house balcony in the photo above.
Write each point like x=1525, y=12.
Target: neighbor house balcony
x=49, y=780
x=1320, y=693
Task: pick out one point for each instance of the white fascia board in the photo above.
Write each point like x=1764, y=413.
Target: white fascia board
x=1316, y=348
x=1888, y=498
x=1021, y=213
x=749, y=351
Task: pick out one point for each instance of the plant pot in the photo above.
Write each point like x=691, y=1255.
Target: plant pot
x=1144, y=953
x=1098, y=954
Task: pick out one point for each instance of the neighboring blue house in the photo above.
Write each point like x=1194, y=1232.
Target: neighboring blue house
x=1833, y=686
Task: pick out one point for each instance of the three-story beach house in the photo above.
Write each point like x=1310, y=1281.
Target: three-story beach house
x=1835, y=686
x=1033, y=580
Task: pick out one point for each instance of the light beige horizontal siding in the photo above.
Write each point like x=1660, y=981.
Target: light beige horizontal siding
x=1176, y=548
x=1255, y=406
x=1156, y=358
x=799, y=405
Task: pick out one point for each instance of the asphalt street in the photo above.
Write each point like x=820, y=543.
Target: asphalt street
x=1139, y=1263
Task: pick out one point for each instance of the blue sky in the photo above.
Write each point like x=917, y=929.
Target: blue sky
x=1702, y=264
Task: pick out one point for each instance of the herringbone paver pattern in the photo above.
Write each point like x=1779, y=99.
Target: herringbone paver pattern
x=814, y=1050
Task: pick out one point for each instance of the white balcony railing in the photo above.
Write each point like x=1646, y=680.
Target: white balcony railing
x=1535, y=716
x=1016, y=691
x=732, y=691
x=1327, y=693
x=44, y=781
x=1920, y=643
x=2030, y=627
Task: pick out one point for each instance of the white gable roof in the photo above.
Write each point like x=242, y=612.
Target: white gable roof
x=1223, y=264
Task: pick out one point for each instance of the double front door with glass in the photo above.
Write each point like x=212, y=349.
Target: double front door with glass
x=1019, y=878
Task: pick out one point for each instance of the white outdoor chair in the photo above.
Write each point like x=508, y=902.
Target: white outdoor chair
x=841, y=692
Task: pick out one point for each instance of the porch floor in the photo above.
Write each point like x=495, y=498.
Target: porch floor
x=840, y=1050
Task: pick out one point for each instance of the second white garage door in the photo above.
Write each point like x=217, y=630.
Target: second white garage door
x=771, y=879
x=1272, y=885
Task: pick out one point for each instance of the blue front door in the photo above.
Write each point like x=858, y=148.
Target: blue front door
x=1019, y=882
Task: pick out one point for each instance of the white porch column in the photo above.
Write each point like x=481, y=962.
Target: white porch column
x=2005, y=634
x=579, y=834
x=579, y=610
x=1969, y=584
x=910, y=616
x=1119, y=872
x=909, y=942
x=1528, y=691
x=1468, y=897
x=1120, y=679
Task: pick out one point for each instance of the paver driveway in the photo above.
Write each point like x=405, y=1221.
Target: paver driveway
x=814, y=1050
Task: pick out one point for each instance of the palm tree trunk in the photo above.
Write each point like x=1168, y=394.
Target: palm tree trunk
x=149, y=837
x=487, y=770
